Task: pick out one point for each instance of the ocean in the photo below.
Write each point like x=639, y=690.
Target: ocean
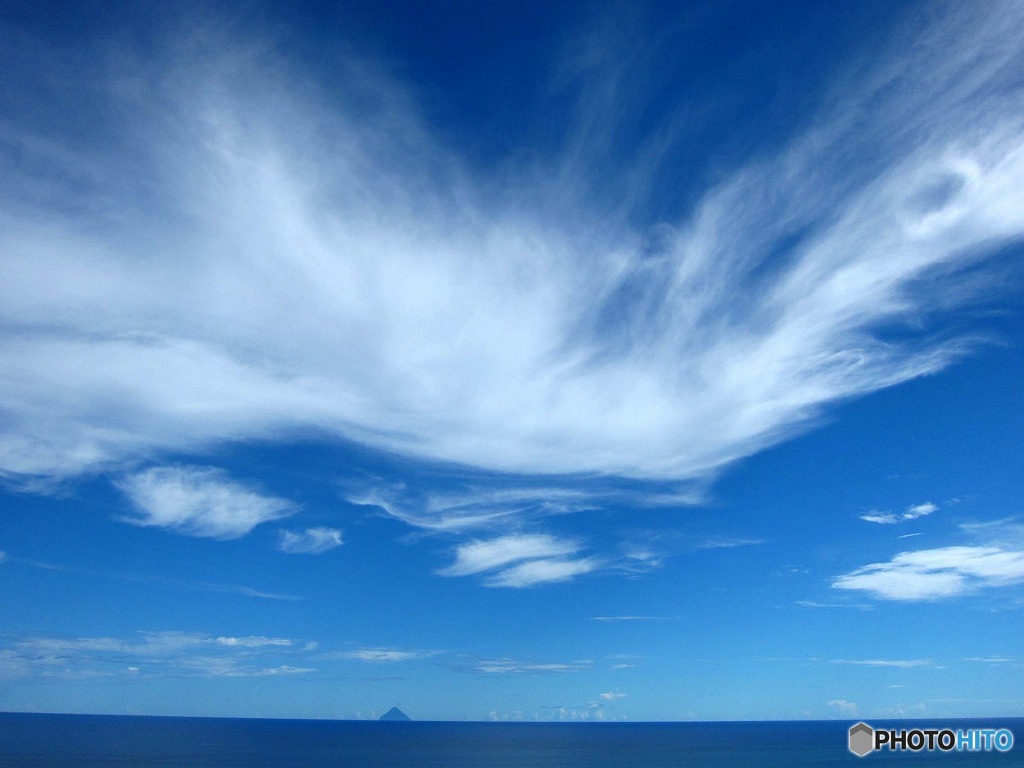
x=95, y=741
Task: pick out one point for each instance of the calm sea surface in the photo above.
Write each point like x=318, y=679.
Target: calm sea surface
x=78, y=741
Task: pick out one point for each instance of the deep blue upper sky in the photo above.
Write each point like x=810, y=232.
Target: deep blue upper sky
x=556, y=362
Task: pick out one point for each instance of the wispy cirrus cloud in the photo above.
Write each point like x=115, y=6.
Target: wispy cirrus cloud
x=312, y=541
x=382, y=655
x=845, y=708
x=934, y=574
x=897, y=663
x=153, y=653
x=534, y=572
x=254, y=641
x=269, y=209
x=523, y=560
x=199, y=501
x=993, y=558
x=477, y=556
x=513, y=666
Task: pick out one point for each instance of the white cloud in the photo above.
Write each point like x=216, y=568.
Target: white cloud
x=845, y=708
x=522, y=560
x=507, y=666
x=534, y=572
x=478, y=556
x=919, y=510
x=725, y=542
x=3, y=556
x=253, y=641
x=898, y=663
x=612, y=696
x=933, y=574
x=633, y=618
x=199, y=501
x=816, y=604
x=259, y=258
x=912, y=512
x=311, y=541
x=219, y=666
x=383, y=655
x=154, y=653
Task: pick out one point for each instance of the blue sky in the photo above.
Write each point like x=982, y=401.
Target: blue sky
x=587, y=362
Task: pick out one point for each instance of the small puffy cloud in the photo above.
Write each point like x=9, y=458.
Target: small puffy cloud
x=311, y=541
x=919, y=510
x=199, y=501
x=613, y=695
x=912, y=512
x=844, y=707
x=933, y=574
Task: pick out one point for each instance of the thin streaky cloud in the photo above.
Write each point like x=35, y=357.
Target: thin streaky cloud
x=150, y=653
x=816, y=604
x=253, y=641
x=382, y=655
x=450, y=309
x=477, y=556
x=535, y=572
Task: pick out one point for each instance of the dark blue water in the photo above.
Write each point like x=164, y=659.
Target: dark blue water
x=78, y=741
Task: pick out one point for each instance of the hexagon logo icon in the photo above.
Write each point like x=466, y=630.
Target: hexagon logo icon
x=862, y=739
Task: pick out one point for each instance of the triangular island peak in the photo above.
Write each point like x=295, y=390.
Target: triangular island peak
x=394, y=714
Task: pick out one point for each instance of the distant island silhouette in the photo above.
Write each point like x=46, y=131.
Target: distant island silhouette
x=394, y=714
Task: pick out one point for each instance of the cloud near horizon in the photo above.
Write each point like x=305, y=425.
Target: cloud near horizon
x=247, y=257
